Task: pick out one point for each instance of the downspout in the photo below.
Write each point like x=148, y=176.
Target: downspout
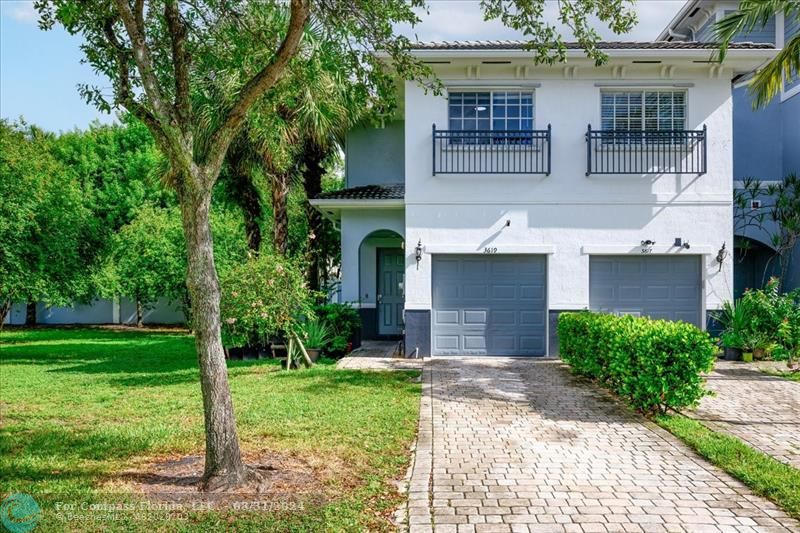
x=676, y=35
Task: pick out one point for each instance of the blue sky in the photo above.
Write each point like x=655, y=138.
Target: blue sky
x=40, y=71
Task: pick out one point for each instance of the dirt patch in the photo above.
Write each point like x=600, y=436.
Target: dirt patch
x=283, y=481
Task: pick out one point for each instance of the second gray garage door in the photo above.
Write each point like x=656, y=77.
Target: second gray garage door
x=489, y=305
x=665, y=287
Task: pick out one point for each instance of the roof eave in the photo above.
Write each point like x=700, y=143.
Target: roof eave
x=677, y=19
x=662, y=53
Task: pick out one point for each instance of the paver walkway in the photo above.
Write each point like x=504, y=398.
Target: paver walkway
x=762, y=410
x=520, y=445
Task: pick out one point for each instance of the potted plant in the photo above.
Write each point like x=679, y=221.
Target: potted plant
x=316, y=336
x=732, y=342
x=735, y=319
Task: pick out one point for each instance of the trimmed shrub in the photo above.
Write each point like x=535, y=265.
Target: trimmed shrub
x=345, y=324
x=654, y=364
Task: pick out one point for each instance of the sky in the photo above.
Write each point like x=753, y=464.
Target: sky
x=40, y=71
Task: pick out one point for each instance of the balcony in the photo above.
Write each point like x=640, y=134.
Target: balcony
x=491, y=152
x=646, y=152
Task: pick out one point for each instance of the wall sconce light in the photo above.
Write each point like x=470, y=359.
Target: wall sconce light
x=418, y=252
x=508, y=223
x=722, y=254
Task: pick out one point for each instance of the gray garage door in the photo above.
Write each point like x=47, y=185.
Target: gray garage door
x=489, y=305
x=666, y=287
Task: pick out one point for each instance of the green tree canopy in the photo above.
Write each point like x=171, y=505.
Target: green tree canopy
x=44, y=244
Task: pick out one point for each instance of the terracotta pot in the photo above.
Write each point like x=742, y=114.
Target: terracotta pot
x=759, y=353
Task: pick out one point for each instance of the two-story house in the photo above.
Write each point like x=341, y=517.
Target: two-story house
x=480, y=214
x=766, y=142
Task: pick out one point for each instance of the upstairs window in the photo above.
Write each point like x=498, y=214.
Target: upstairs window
x=491, y=111
x=653, y=117
x=491, y=117
x=647, y=110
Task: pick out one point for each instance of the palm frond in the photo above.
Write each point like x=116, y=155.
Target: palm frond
x=767, y=82
x=753, y=14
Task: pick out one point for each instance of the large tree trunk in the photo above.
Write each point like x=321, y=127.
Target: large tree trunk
x=312, y=182
x=223, y=467
x=280, y=213
x=30, y=314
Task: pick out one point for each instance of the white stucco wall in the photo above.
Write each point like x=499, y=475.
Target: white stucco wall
x=567, y=214
x=356, y=226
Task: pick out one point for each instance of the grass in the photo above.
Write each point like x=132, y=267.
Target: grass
x=79, y=406
x=763, y=474
x=785, y=374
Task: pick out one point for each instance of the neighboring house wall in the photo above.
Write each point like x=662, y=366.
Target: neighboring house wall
x=16, y=316
x=100, y=311
x=568, y=215
x=790, y=113
x=374, y=155
x=161, y=312
x=758, y=138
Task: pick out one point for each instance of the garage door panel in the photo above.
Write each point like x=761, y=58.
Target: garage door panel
x=476, y=291
x=531, y=318
x=502, y=318
x=627, y=292
x=475, y=268
x=475, y=317
x=662, y=287
x=474, y=342
x=445, y=317
x=531, y=292
x=504, y=292
x=531, y=343
x=492, y=305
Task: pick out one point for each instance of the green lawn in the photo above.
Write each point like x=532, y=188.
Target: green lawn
x=81, y=405
x=764, y=475
x=792, y=376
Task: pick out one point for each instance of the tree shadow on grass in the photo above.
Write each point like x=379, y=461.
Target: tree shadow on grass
x=134, y=358
x=335, y=380
x=56, y=455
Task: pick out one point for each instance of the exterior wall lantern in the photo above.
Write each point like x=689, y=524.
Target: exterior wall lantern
x=418, y=253
x=722, y=254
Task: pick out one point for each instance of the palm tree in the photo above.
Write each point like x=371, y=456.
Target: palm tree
x=241, y=183
x=752, y=14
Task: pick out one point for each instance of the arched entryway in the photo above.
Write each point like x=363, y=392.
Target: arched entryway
x=755, y=263
x=381, y=256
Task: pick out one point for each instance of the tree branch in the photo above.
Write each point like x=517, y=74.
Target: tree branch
x=180, y=60
x=257, y=86
x=143, y=58
x=124, y=92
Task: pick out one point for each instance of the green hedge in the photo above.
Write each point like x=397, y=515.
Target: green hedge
x=654, y=364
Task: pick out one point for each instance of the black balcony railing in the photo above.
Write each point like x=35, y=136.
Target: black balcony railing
x=491, y=152
x=646, y=152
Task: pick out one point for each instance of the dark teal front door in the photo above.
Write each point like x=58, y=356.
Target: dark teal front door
x=391, y=290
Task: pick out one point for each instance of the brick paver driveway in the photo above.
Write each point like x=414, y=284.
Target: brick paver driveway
x=520, y=445
x=760, y=409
